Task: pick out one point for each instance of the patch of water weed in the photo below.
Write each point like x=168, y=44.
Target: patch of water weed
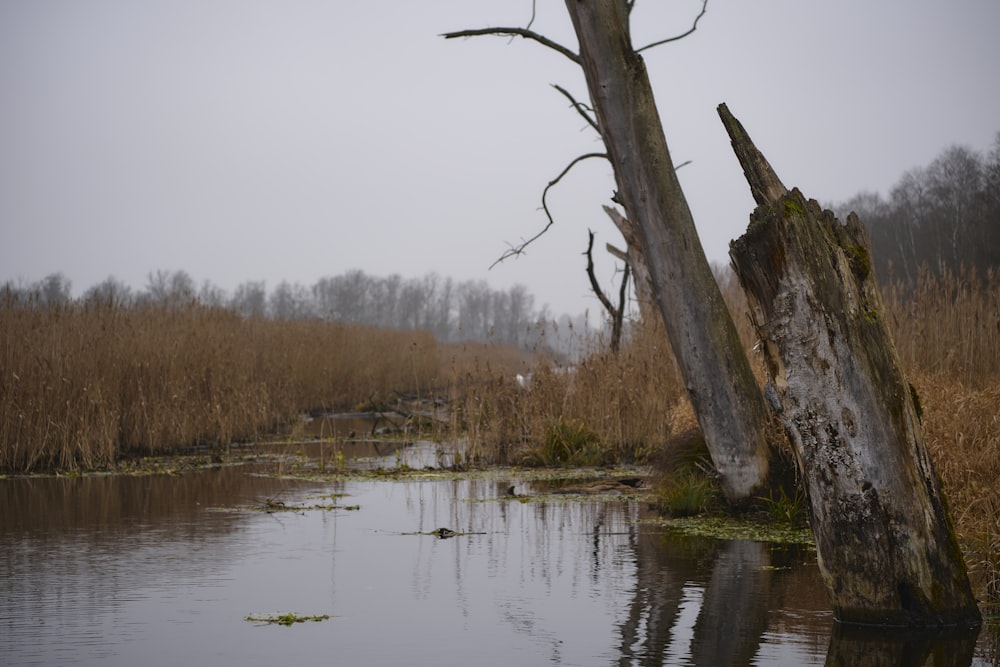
x=287, y=619
x=603, y=486
x=501, y=473
x=274, y=505
x=727, y=528
x=687, y=493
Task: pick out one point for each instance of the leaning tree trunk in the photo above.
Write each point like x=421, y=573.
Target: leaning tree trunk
x=887, y=550
x=720, y=382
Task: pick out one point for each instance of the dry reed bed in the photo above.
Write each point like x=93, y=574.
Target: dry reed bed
x=947, y=332
x=962, y=428
x=82, y=385
x=624, y=401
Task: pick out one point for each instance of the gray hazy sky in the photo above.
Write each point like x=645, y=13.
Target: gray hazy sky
x=289, y=140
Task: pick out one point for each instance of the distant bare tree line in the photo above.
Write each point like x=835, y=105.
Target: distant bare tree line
x=945, y=216
x=452, y=311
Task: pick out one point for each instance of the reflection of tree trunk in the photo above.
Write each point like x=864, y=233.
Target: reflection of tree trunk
x=855, y=646
x=742, y=585
x=734, y=612
x=887, y=550
x=664, y=567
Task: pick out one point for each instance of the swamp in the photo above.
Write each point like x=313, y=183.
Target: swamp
x=314, y=553
x=173, y=488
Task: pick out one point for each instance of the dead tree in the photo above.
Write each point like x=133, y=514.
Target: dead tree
x=719, y=380
x=615, y=313
x=887, y=550
x=717, y=374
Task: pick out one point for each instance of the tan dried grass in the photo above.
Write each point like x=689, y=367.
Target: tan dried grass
x=83, y=385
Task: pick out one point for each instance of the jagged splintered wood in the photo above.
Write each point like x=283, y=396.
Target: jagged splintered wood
x=887, y=550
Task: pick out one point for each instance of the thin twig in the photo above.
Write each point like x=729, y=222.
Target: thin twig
x=694, y=26
x=523, y=32
x=514, y=251
x=581, y=108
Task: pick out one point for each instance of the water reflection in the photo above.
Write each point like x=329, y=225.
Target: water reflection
x=710, y=602
x=119, y=570
x=851, y=646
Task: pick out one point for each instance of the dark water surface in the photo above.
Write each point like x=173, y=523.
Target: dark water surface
x=163, y=570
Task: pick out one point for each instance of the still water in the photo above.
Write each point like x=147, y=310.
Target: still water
x=164, y=570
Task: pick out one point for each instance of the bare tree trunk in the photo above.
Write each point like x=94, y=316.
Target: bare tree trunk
x=887, y=550
x=719, y=379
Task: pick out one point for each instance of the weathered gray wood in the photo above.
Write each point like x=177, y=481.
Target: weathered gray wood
x=887, y=550
x=765, y=185
x=717, y=373
x=634, y=257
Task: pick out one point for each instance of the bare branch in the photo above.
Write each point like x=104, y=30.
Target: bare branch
x=514, y=251
x=622, y=296
x=522, y=32
x=617, y=314
x=581, y=108
x=616, y=252
x=605, y=301
x=694, y=26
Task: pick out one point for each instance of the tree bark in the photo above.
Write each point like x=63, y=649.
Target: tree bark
x=724, y=393
x=887, y=550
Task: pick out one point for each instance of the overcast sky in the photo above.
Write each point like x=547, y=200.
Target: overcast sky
x=274, y=140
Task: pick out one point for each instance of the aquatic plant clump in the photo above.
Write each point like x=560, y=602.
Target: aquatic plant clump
x=570, y=442
x=287, y=619
x=729, y=528
x=688, y=494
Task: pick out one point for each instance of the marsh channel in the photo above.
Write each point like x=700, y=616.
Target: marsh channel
x=422, y=566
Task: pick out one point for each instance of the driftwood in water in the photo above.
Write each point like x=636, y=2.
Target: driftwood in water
x=887, y=550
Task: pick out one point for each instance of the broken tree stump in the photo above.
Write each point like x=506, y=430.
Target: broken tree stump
x=886, y=547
